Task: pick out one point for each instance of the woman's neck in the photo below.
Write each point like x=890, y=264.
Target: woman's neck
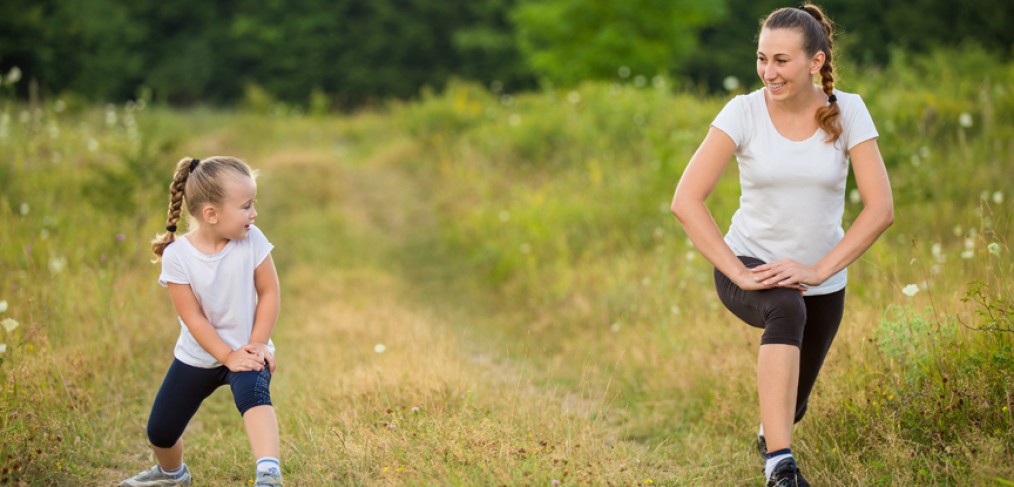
x=800, y=104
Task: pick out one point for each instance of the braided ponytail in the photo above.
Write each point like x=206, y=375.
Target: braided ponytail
x=177, y=189
x=817, y=37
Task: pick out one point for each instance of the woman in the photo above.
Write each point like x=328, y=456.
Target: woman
x=781, y=266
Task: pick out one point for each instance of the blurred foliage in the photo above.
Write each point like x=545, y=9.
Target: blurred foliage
x=358, y=52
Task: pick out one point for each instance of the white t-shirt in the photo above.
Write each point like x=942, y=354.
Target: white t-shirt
x=223, y=283
x=793, y=192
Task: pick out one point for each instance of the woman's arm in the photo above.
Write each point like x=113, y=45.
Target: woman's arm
x=189, y=309
x=268, y=304
x=697, y=182
x=877, y=214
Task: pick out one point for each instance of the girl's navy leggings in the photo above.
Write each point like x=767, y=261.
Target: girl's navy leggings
x=185, y=387
x=787, y=317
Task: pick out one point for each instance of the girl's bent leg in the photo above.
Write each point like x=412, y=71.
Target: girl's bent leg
x=262, y=429
x=777, y=381
x=169, y=458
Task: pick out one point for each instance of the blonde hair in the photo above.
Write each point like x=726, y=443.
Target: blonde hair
x=818, y=34
x=198, y=182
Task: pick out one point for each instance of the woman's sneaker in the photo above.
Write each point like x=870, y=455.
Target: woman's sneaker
x=268, y=479
x=786, y=474
x=156, y=478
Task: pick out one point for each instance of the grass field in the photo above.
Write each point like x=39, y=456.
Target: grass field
x=483, y=289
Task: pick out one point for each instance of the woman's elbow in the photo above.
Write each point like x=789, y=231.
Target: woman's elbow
x=887, y=216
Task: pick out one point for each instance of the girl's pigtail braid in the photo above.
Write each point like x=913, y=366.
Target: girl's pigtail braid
x=176, y=193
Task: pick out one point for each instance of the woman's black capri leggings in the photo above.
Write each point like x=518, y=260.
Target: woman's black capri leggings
x=787, y=317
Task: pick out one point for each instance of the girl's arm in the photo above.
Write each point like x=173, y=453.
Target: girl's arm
x=268, y=303
x=241, y=359
x=697, y=182
x=876, y=216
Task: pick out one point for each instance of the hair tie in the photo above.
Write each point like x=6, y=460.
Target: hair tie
x=194, y=163
x=171, y=228
x=832, y=99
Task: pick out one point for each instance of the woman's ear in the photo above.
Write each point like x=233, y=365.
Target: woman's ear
x=817, y=62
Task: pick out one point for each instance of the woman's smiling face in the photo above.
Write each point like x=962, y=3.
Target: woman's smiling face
x=783, y=65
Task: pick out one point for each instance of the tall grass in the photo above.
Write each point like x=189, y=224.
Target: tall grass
x=542, y=317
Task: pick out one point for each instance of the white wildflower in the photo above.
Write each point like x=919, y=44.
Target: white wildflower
x=855, y=197
x=998, y=197
x=615, y=327
x=573, y=98
x=514, y=120
x=624, y=72
x=965, y=119
x=524, y=248
x=380, y=348
x=3, y=348
x=910, y=290
x=505, y=216
x=994, y=248
x=57, y=264
x=93, y=145
x=690, y=256
x=3, y=305
x=13, y=75
x=967, y=254
x=730, y=83
x=938, y=252
x=24, y=209
x=9, y=324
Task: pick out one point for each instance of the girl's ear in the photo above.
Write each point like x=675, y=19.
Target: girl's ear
x=209, y=215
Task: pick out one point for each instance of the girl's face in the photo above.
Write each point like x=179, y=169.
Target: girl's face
x=783, y=65
x=236, y=213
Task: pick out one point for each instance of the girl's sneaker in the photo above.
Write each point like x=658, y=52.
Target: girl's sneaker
x=268, y=479
x=156, y=478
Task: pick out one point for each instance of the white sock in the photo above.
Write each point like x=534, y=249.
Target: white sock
x=269, y=465
x=174, y=473
x=760, y=431
x=773, y=459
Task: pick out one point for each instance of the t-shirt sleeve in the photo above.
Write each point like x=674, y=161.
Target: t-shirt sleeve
x=732, y=120
x=858, y=124
x=260, y=244
x=173, y=270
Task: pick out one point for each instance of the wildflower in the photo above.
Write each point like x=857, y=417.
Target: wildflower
x=3, y=305
x=59, y=106
x=938, y=253
x=958, y=230
x=93, y=145
x=624, y=72
x=967, y=254
x=854, y=197
x=573, y=98
x=514, y=120
x=994, y=248
x=120, y=237
x=3, y=349
x=415, y=409
x=910, y=290
x=658, y=81
x=997, y=197
x=525, y=248
x=9, y=324
x=615, y=327
x=24, y=209
x=730, y=83
x=965, y=119
x=1004, y=409
x=690, y=256
x=57, y=264
x=380, y=348
x=554, y=482
x=13, y=75
x=648, y=482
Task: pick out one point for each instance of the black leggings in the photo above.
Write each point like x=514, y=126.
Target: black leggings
x=808, y=322
x=185, y=387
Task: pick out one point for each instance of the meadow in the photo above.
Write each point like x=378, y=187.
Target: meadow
x=483, y=288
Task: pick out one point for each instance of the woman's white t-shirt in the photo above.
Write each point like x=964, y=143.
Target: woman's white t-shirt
x=223, y=283
x=793, y=192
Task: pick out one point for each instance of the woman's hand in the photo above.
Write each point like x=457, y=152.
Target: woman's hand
x=264, y=355
x=244, y=359
x=786, y=273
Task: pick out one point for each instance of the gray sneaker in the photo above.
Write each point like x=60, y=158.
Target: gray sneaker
x=155, y=478
x=269, y=479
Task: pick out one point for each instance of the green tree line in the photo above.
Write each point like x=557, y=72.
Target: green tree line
x=357, y=52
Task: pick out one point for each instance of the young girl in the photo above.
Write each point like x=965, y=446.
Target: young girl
x=223, y=284
x=781, y=266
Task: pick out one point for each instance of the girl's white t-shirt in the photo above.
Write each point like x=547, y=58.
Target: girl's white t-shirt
x=223, y=283
x=793, y=192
